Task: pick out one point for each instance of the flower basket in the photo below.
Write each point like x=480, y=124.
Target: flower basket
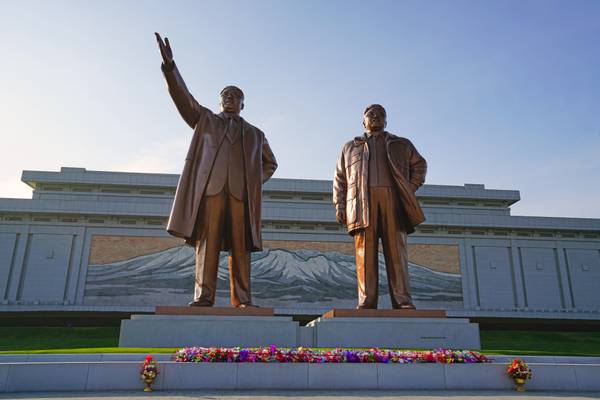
x=149, y=372
x=519, y=371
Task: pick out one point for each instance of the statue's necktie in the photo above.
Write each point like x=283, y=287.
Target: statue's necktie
x=232, y=130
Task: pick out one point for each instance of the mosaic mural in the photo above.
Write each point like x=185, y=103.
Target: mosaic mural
x=148, y=271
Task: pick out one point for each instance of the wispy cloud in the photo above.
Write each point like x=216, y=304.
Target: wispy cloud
x=165, y=156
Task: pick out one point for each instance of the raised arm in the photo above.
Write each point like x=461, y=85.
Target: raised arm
x=339, y=189
x=187, y=106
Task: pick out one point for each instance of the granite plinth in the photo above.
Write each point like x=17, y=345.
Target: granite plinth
x=395, y=332
x=367, y=313
x=224, y=311
x=207, y=331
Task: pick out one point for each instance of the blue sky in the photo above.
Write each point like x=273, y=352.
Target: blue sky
x=505, y=93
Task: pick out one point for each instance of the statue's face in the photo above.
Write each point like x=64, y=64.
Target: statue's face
x=231, y=102
x=374, y=120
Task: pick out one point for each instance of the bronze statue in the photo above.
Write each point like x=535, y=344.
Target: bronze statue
x=374, y=187
x=217, y=204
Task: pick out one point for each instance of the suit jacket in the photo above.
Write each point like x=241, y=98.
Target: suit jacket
x=351, y=180
x=209, y=133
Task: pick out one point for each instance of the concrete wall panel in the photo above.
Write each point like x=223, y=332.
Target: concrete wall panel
x=494, y=277
x=584, y=275
x=476, y=376
x=179, y=376
x=411, y=376
x=587, y=377
x=117, y=376
x=3, y=377
x=47, y=377
x=272, y=376
x=46, y=267
x=554, y=377
x=8, y=242
x=342, y=376
x=540, y=278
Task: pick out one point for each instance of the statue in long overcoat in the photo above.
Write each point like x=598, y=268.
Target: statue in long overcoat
x=217, y=204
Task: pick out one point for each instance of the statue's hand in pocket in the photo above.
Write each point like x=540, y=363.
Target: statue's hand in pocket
x=340, y=216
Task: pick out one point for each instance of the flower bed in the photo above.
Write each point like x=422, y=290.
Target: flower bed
x=273, y=354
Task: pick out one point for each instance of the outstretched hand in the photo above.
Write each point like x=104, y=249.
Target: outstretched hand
x=165, y=50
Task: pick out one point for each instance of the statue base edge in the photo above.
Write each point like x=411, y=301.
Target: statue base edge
x=372, y=313
x=216, y=311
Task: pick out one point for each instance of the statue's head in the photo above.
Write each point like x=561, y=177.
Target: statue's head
x=374, y=118
x=232, y=100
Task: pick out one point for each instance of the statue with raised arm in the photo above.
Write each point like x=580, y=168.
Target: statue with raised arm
x=374, y=187
x=217, y=204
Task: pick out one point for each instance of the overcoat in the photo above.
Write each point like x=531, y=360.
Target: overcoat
x=209, y=133
x=351, y=180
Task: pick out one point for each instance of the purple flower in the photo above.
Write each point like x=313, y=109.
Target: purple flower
x=351, y=356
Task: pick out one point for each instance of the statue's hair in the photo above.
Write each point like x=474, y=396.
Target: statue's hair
x=235, y=89
x=378, y=106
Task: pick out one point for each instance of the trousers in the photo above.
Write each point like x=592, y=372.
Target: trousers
x=384, y=223
x=222, y=217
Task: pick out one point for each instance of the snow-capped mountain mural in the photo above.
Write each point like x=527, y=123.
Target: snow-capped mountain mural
x=283, y=278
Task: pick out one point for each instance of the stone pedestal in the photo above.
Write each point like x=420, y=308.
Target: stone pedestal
x=254, y=327
x=394, y=329
x=207, y=327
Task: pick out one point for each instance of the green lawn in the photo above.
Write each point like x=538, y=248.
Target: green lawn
x=78, y=340
x=541, y=343
x=38, y=337
x=105, y=340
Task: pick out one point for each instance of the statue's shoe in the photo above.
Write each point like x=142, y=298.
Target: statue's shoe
x=247, y=305
x=407, y=306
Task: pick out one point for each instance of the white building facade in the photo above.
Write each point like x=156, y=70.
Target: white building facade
x=96, y=241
